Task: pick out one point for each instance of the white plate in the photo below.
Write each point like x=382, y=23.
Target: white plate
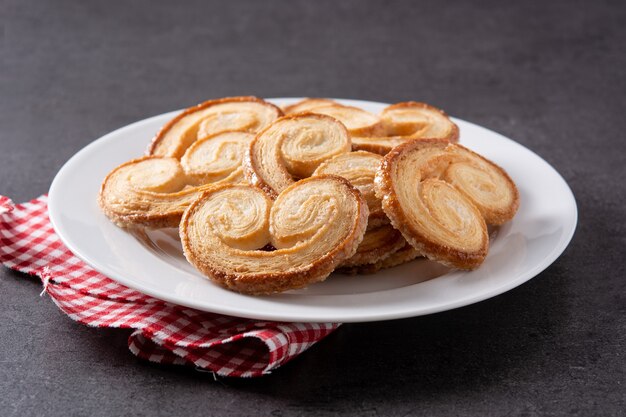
x=153, y=263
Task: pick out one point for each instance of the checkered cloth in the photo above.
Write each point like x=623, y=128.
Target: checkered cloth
x=164, y=332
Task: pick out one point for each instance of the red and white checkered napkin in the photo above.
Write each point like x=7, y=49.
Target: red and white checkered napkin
x=164, y=332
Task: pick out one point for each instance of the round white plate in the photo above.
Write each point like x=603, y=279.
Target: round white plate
x=153, y=262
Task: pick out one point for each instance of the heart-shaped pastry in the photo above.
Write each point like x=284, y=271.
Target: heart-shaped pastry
x=314, y=225
x=291, y=148
x=407, y=121
x=358, y=121
x=154, y=191
x=217, y=158
x=413, y=120
x=246, y=114
x=442, y=196
x=147, y=192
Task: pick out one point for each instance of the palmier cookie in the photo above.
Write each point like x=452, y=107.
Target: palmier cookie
x=154, y=191
x=441, y=196
x=314, y=224
x=247, y=114
x=217, y=158
x=292, y=148
x=407, y=121
x=358, y=121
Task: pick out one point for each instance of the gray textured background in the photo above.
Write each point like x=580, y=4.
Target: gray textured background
x=551, y=75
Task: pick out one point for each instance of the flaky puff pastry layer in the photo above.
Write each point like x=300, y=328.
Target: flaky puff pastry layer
x=154, y=191
x=217, y=158
x=359, y=168
x=378, y=244
x=314, y=224
x=441, y=197
x=381, y=240
x=405, y=254
x=247, y=114
x=307, y=105
x=293, y=147
x=358, y=121
x=147, y=192
x=407, y=121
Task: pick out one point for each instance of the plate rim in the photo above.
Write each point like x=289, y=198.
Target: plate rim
x=549, y=259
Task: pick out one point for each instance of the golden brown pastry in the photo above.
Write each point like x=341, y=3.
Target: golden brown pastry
x=414, y=120
x=149, y=192
x=407, y=121
x=293, y=147
x=381, y=145
x=358, y=121
x=248, y=114
x=307, y=105
x=216, y=158
x=440, y=196
x=381, y=240
x=359, y=168
x=404, y=255
x=377, y=245
x=314, y=224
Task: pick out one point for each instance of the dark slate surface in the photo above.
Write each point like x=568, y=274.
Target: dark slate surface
x=548, y=74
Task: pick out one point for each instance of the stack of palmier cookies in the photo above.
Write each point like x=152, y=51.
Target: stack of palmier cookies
x=269, y=199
